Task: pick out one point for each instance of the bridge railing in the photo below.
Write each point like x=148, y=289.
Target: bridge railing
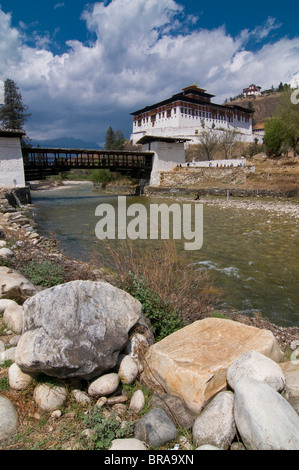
x=42, y=157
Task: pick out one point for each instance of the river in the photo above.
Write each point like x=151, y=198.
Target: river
x=251, y=255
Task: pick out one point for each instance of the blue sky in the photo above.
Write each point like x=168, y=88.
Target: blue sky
x=84, y=66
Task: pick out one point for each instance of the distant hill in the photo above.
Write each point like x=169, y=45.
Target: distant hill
x=264, y=106
x=66, y=142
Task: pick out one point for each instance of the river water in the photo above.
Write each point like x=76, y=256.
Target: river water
x=251, y=255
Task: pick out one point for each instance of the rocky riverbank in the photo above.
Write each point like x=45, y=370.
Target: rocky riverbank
x=50, y=379
x=238, y=199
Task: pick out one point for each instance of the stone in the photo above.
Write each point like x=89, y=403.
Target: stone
x=101, y=402
x=8, y=354
x=76, y=329
x=127, y=444
x=13, y=318
x=6, y=254
x=18, y=380
x=291, y=390
x=8, y=418
x=128, y=370
x=174, y=407
x=2, y=243
x=81, y=397
x=137, y=401
x=264, y=419
x=137, y=345
x=49, y=398
x=4, y=303
x=56, y=414
x=15, y=286
x=116, y=400
x=207, y=447
x=192, y=362
x=104, y=385
x=14, y=340
x=215, y=425
x=255, y=365
x=155, y=428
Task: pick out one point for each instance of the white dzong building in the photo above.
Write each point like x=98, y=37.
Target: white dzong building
x=188, y=113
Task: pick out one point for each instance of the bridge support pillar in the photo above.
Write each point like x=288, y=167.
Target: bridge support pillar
x=11, y=159
x=169, y=153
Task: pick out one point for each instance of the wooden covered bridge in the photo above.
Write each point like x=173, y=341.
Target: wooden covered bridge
x=42, y=162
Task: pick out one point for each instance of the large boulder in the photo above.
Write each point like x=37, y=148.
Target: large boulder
x=8, y=418
x=264, y=419
x=291, y=390
x=192, y=362
x=76, y=329
x=14, y=285
x=216, y=425
x=255, y=365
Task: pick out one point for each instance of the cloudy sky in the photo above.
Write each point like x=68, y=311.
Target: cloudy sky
x=82, y=67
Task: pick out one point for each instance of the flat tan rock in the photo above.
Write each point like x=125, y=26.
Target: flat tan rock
x=192, y=362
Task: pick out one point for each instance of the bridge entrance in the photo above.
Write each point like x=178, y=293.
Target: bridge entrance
x=42, y=162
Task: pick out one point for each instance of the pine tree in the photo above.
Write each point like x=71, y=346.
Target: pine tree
x=13, y=113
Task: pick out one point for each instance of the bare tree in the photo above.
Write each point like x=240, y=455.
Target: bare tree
x=209, y=143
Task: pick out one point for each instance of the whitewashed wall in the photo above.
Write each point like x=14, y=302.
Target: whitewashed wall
x=167, y=157
x=11, y=163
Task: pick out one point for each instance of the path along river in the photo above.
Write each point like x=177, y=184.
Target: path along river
x=252, y=255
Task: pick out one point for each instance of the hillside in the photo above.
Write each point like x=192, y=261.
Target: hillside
x=264, y=106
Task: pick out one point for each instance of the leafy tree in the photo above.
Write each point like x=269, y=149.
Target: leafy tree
x=275, y=131
x=13, y=113
x=282, y=130
x=110, y=139
x=114, y=139
x=101, y=176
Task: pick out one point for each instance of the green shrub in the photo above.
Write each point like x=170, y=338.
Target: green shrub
x=43, y=273
x=164, y=319
x=105, y=430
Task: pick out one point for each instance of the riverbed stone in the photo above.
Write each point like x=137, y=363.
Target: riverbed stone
x=127, y=444
x=216, y=425
x=128, y=370
x=192, y=363
x=155, y=428
x=81, y=397
x=8, y=418
x=104, y=385
x=291, y=390
x=49, y=398
x=174, y=407
x=18, y=380
x=13, y=318
x=255, y=365
x=137, y=401
x=76, y=329
x=264, y=419
x=14, y=285
x=6, y=254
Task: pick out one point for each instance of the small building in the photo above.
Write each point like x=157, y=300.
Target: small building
x=168, y=154
x=187, y=114
x=252, y=90
x=259, y=129
x=11, y=159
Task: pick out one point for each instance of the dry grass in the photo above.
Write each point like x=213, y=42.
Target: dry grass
x=167, y=274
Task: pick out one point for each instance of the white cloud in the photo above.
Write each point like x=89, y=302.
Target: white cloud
x=58, y=5
x=143, y=51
